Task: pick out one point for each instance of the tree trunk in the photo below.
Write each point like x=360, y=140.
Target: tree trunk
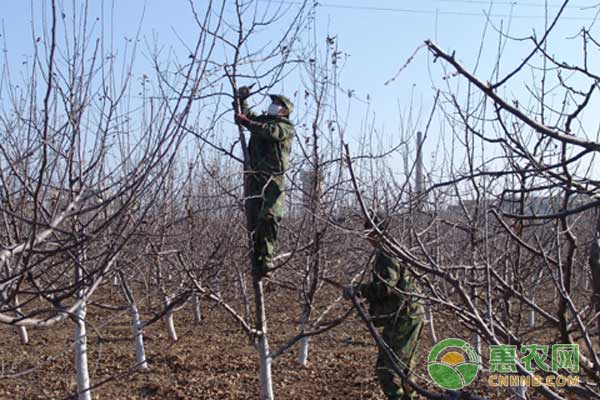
x=81, y=359
x=429, y=318
x=265, y=360
x=22, y=329
x=303, y=350
x=170, y=326
x=140, y=352
x=23, y=335
x=197, y=312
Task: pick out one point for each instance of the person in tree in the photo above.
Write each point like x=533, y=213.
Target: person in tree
x=400, y=315
x=269, y=149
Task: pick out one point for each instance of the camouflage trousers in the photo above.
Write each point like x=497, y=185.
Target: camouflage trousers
x=402, y=336
x=265, y=207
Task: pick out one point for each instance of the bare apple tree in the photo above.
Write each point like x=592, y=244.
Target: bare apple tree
x=507, y=257
x=78, y=172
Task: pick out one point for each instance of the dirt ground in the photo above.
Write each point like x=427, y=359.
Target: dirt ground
x=211, y=360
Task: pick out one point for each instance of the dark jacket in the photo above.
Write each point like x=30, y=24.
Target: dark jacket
x=270, y=142
x=385, y=303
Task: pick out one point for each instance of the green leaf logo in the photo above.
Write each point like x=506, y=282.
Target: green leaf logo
x=453, y=364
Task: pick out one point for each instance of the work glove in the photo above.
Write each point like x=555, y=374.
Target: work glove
x=242, y=119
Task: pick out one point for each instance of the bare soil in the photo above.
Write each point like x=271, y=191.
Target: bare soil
x=211, y=360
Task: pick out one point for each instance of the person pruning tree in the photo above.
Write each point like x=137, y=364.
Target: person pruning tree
x=269, y=147
x=401, y=316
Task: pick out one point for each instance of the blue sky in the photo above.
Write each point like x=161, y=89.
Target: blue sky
x=377, y=35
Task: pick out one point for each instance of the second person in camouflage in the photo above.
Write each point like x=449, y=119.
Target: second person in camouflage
x=400, y=316
x=269, y=148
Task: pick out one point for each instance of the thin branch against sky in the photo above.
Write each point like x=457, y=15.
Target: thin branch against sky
x=388, y=35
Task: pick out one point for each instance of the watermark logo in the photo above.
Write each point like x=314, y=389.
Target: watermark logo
x=551, y=361
x=453, y=364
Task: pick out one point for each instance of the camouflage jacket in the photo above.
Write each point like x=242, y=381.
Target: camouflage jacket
x=385, y=303
x=270, y=142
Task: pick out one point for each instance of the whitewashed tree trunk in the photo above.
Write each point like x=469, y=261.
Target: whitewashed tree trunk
x=81, y=356
x=81, y=359
x=476, y=340
x=140, y=351
x=170, y=323
x=266, y=379
x=265, y=360
x=304, y=342
x=23, y=335
x=138, y=334
x=197, y=312
x=429, y=318
x=303, y=350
